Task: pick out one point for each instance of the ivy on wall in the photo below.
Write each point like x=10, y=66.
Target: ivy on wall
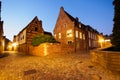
x=43, y=39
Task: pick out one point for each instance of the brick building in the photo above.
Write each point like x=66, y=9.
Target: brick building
x=69, y=30
x=1, y=32
x=25, y=36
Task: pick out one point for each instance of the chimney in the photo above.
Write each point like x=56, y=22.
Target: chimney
x=77, y=19
x=62, y=8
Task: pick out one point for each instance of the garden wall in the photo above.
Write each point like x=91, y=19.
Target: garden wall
x=50, y=48
x=108, y=59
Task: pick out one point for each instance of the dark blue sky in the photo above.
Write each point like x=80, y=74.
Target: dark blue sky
x=16, y=14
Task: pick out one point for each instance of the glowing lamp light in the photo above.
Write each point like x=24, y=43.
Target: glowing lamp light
x=107, y=40
x=14, y=44
x=45, y=50
x=10, y=46
x=101, y=40
x=3, y=43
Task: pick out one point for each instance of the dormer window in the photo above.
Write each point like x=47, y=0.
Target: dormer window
x=79, y=25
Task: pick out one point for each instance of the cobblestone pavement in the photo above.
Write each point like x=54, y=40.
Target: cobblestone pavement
x=76, y=66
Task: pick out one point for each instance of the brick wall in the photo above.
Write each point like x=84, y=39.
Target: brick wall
x=23, y=48
x=50, y=48
x=113, y=61
x=108, y=59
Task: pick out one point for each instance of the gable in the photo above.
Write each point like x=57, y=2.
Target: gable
x=62, y=19
x=34, y=22
x=35, y=25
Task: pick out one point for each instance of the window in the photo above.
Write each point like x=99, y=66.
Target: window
x=84, y=36
x=88, y=34
x=69, y=33
x=36, y=22
x=55, y=35
x=80, y=34
x=36, y=29
x=89, y=43
x=59, y=35
x=65, y=25
x=91, y=35
x=23, y=36
x=79, y=25
x=76, y=34
x=69, y=42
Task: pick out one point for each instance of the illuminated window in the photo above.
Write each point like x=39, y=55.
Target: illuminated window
x=79, y=25
x=59, y=35
x=76, y=34
x=80, y=35
x=69, y=33
x=84, y=36
x=55, y=35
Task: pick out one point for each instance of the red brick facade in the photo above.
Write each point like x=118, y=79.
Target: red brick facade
x=51, y=48
x=68, y=30
x=24, y=38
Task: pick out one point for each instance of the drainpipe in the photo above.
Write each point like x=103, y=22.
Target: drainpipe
x=74, y=37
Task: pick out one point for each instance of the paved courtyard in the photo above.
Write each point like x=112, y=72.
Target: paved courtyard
x=76, y=66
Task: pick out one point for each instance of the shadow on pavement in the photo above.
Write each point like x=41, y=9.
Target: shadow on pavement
x=4, y=55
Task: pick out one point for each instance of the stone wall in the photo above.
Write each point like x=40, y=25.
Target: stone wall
x=108, y=59
x=50, y=48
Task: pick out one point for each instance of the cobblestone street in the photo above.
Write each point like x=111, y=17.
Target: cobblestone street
x=18, y=66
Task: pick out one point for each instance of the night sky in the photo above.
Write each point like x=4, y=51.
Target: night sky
x=16, y=14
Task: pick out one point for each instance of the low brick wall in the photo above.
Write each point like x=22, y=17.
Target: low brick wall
x=108, y=59
x=50, y=48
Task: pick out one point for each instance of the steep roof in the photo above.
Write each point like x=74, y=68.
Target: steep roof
x=72, y=18
x=28, y=24
x=77, y=22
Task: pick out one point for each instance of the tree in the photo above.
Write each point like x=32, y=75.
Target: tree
x=116, y=26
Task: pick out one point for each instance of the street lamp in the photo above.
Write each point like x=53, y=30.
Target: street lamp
x=101, y=41
x=14, y=45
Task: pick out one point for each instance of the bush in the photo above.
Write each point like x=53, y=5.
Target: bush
x=42, y=39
